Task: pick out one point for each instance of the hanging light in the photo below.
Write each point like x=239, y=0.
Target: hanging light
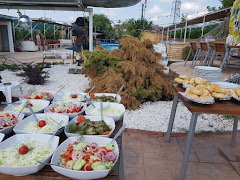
x=24, y=21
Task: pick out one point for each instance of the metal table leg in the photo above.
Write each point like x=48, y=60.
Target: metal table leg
x=172, y=117
x=188, y=145
x=234, y=133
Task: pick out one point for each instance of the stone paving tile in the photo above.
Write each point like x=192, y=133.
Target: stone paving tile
x=132, y=150
x=155, y=147
x=193, y=156
x=161, y=160
x=133, y=173
x=236, y=166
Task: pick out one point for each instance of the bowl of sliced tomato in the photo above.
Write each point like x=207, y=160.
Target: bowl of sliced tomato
x=44, y=95
x=70, y=109
x=93, y=157
x=8, y=120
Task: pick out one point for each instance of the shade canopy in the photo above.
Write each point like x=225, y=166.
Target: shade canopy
x=67, y=4
x=205, y=18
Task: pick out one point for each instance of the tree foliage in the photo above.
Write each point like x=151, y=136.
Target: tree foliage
x=135, y=27
x=227, y=3
x=102, y=23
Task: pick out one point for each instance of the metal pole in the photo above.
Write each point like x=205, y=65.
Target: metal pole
x=204, y=20
x=54, y=31
x=44, y=27
x=162, y=34
x=142, y=11
x=168, y=34
x=175, y=32
x=190, y=30
x=185, y=33
x=90, y=29
x=181, y=34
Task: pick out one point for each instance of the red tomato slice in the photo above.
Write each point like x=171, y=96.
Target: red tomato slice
x=80, y=118
x=86, y=157
x=38, y=97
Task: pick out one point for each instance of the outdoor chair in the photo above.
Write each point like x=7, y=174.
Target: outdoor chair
x=233, y=52
x=203, y=54
x=219, y=50
x=194, y=50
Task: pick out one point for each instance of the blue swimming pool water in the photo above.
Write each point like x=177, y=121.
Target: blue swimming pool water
x=108, y=46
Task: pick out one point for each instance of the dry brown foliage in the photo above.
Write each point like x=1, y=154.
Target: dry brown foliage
x=138, y=68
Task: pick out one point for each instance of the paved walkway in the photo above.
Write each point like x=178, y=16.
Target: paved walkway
x=149, y=157
x=179, y=68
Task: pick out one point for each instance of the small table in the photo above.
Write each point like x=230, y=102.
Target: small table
x=54, y=46
x=219, y=107
x=7, y=90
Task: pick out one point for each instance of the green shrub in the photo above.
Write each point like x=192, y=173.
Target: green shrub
x=153, y=93
x=186, y=52
x=10, y=67
x=99, y=61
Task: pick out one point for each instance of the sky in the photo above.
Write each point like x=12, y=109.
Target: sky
x=159, y=11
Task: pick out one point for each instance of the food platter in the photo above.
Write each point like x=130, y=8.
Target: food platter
x=109, y=122
x=52, y=120
x=8, y=129
x=26, y=167
x=76, y=174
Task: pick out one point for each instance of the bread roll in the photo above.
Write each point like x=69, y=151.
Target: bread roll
x=183, y=77
x=218, y=95
x=237, y=91
x=178, y=80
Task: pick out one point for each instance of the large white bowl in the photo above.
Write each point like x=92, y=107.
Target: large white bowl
x=49, y=99
x=19, y=139
x=106, y=104
x=1, y=136
x=19, y=128
x=109, y=121
x=71, y=115
x=108, y=94
x=101, y=141
x=42, y=103
x=8, y=129
x=65, y=97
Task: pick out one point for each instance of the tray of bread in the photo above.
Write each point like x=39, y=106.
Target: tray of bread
x=194, y=82
x=236, y=94
x=198, y=94
x=181, y=79
x=219, y=93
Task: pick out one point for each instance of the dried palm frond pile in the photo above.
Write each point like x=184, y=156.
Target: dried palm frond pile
x=138, y=69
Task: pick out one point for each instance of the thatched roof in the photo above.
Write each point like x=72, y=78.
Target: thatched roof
x=67, y=4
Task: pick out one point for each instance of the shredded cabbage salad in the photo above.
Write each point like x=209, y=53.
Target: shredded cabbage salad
x=32, y=127
x=88, y=157
x=39, y=95
x=108, y=111
x=37, y=151
x=35, y=108
x=70, y=98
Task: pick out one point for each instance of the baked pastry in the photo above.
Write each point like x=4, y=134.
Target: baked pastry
x=218, y=92
x=182, y=79
x=218, y=95
x=237, y=92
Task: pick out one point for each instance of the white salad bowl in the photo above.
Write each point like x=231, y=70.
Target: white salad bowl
x=8, y=129
x=20, y=127
x=70, y=115
x=49, y=99
x=42, y=104
x=109, y=121
x=21, y=139
x=74, y=174
x=118, y=98
x=65, y=97
x=94, y=110
x=2, y=136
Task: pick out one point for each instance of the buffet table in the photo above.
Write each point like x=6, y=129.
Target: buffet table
x=230, y=107
x=47, y=172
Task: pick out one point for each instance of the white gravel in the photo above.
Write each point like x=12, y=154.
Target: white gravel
x=58, y=75
x=151, y=116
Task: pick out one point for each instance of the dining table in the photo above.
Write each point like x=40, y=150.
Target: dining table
x=47, y=173
x=228, y=107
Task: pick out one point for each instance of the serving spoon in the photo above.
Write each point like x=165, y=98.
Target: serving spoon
x=50, y=164
x=58, y=127
x=118, y=133
x=120, y=89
